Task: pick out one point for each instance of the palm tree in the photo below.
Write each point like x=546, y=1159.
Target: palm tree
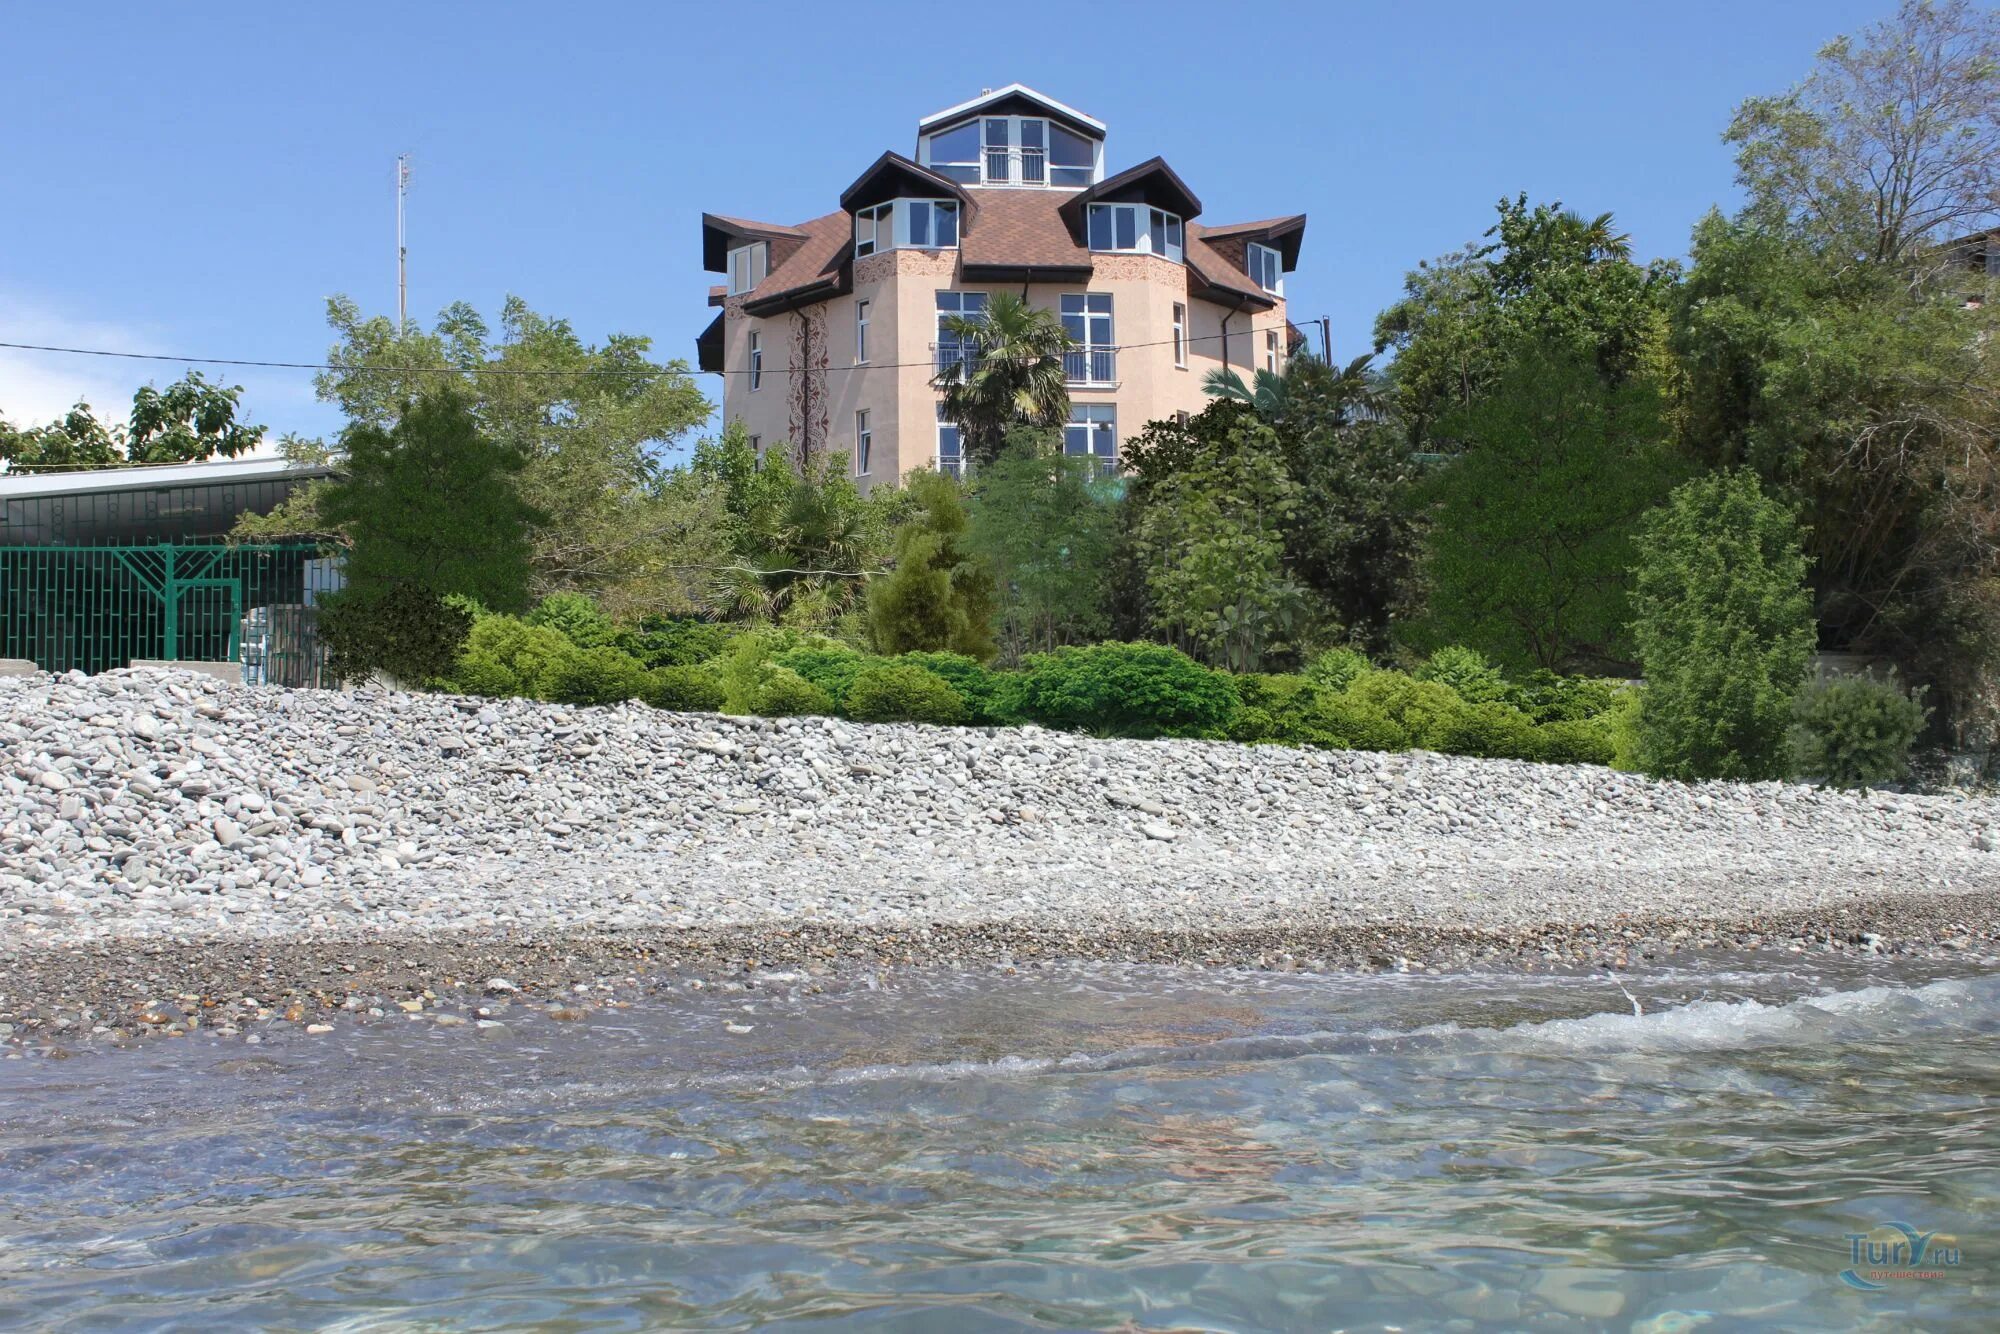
x=1011, y=373
x=1344, y=392
x=1269, y=398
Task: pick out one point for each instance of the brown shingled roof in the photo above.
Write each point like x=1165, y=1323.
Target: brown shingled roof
x=1217, y=272
x=1017, y=230
x=815, y=268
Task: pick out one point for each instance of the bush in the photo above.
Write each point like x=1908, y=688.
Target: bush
x=977, y=685
x=832, y=667
x=1423, y=710
x=1548, y=698
x=1467, y=672
x=1137, y=690
x=1358, y=724
x=1856, y=731
x=896, y=692
x=1337, y=668
x=600, y=675
x=404, y=630
x=672, y=641
x=576, y=617
x=1725, y=630
x=683, y=689
x=783, y=693
x=504, y=655
x=1488, y=730
x=1576, y=741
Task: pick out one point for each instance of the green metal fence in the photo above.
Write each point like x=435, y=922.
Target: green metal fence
x=98, y=607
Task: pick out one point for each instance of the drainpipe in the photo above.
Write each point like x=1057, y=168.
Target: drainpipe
x=1237, y=309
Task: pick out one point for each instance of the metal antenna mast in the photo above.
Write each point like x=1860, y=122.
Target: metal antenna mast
x=402, y=250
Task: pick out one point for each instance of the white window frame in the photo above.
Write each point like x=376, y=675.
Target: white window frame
x=1144, y=217
x=1271, y=351
x=1266, y=266
x=861, y=310
x=756, y=361
x=1015, y=157
x=757, y=450
x=864, y=443
x=945, y=424
x=937, y=329
x=1095, y=356
x=1093, y=418
x=886, y=226
x=870, y=234
x=1180, y=335
x=748, y=265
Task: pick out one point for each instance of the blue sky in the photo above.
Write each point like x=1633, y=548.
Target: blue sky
x=198, y=179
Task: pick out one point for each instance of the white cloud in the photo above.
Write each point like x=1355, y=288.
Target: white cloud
x=39, y=387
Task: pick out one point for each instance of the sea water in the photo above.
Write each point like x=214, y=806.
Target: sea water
x=1057, y=1148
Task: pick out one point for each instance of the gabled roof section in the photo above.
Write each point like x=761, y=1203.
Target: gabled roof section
x=708, y=347
x=1014, y=99
x=1152, y=182
x=892, y=175
x=1022, y=236
x=721, y=234
x=1285, y=235
x=1212, y=276
x=815, y=268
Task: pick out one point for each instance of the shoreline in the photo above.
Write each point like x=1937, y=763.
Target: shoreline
x=121, y=990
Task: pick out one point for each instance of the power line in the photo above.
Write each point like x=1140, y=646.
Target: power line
x=612, y=373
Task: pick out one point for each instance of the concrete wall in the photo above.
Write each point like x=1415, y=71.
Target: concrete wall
x=894, y=387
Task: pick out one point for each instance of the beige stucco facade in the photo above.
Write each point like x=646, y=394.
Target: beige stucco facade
x=893, y=385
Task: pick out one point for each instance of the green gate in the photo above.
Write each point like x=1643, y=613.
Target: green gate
x=97, y=607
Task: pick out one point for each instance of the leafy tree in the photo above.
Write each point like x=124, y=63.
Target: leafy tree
x=591, y=424
x=429, y=509
x=1869, y=397
x=1213, y=540
x=1891, y=144
x=186, y=422
x=1046, y=530
x=1548, y=282
x=1529, y=551
x=1014, y=376
x=937, y=596
x=1725, y=630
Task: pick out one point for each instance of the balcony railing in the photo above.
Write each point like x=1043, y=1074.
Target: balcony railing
x=1095, y=365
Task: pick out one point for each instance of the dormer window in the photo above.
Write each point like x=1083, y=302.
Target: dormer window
x=1137, y=229
x=1267, y=266
x=906, y=224
x=747, y=266
x=1012, y=150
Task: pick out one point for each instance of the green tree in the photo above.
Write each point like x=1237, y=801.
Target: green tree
x=1529, y=554
x=1046, y=530
x=430, y=509
x=938, y=596
x=1013, y=374
x=186, y=422
x=1891, y=144
x=1725, y=630
x=1212, y=537
x=592, y=424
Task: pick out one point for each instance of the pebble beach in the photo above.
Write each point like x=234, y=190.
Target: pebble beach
x=176, y=850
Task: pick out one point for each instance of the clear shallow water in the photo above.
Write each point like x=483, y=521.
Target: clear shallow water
x=1132, y=1149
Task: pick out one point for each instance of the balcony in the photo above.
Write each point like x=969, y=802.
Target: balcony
x=1091, y=366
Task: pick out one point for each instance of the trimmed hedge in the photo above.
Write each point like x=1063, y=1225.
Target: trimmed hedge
x=683, y=689
x=1131, y=690
x=896, y=692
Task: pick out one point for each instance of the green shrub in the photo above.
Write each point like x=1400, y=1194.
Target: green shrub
x=978, y=685
x=1576, y=741
x=505, y=655
x=1349, y=723
x=1337, y=668
x=896, y=692
x=672, y=641
x=1423, y=710
x=600, y=675
x=576, y=616
x=1467, y=672
x=1725, y=630
x=830, y=666
x=783, y=693
x=1856, y=731
x=1138, y=690
x=402, y=629
x=684, y=689
x=1548, y=698
x=1487, y=730
x=1621, y=723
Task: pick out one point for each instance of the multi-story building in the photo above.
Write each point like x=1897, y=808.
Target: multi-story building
x=830, y=333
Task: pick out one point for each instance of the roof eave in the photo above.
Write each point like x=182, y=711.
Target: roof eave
x=972, y=105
